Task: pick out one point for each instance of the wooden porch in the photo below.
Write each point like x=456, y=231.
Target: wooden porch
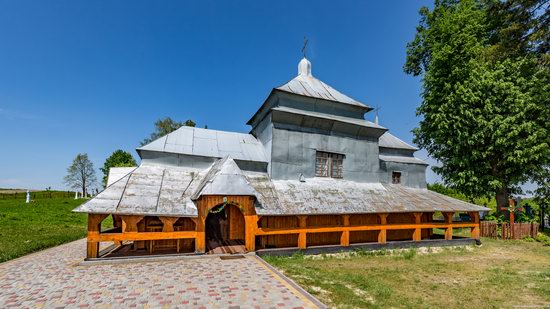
x=155, y=234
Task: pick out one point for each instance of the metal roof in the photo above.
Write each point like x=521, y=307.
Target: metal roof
x=170, y=191
x=388, y=140
x=209, y=143
x=148, y=190
x=355, y=121
x=306, y=85
x=402, y=159
x=332, y=196
x=224, y=178
x=116, y=173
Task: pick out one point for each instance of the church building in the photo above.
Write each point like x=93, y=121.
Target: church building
x=311, y=174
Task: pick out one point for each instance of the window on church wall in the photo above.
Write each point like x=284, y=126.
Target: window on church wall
x=396, y=177
x=329, y=164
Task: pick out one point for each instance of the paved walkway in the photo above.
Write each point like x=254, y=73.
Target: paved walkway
x=54, y=278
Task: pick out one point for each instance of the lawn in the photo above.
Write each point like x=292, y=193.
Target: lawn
x=494, y=275
x=44, y=223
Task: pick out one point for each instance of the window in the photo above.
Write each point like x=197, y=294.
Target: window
x=329, y=164
x=396, y=177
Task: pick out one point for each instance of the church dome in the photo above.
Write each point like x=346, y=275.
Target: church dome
x=304, y=67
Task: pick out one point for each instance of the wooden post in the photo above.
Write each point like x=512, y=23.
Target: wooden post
x=251, y=224
x=449, y=221
x=417, y=235
x=344, y=239
x=475, y=219
x=382, y=233
x=94, y=228
x=302, y=237
x=168, y=223
x=200, y=241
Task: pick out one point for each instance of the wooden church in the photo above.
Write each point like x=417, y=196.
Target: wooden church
x=312, y=173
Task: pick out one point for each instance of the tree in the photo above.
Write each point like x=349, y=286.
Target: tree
x=119, y=158
x=81, y=173
x=484, y=115
x=165, y=126
x=542, y=192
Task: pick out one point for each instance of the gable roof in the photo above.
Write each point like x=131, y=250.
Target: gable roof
x=148, y=190
x=305, y=84
x=209, y=143
x=224, y=178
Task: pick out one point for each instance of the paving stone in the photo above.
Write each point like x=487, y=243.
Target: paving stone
x=53, y=278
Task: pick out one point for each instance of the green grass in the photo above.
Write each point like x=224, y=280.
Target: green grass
x=44, y=223
x=497, y=274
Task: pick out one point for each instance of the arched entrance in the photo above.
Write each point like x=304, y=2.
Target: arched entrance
x=225, y=230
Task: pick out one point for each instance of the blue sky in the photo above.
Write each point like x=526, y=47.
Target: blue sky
x=93, y=76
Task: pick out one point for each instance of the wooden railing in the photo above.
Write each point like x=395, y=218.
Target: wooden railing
x=506, y=230
x=383, y=227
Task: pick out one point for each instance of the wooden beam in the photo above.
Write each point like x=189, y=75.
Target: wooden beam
x=417, y=235
x=383, y=226
x=355, y=228
x=302, y=235
x=344, y=238
x=94, y=236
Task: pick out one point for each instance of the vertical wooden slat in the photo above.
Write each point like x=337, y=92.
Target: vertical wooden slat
x=449, y=221
x=302, y=237
x=417, y=236
x=344, y=239
x=475, y=231
x=382, y=233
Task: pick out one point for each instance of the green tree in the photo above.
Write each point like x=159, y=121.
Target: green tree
x=165, y=126
x=483, y=117
x=119, y=158
x=81, y=174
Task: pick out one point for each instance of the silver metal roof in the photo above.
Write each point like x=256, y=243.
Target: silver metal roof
x=402, y=159
x=209, y=143
x=148, y=190
x=355, y=121
x=170, y=191
x=116, y=173
x=388, y=140
x=331, y=196
x=224, y=178
x=307, y=85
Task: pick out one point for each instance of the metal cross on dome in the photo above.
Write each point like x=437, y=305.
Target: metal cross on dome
x=305, y=46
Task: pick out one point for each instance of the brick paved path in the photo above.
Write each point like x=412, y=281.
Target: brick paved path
x=53, y=278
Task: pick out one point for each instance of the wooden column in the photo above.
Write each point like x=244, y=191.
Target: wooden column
x=417, y=235
x=200, y=241
x=94, y=228
x=302, y=237
x=382, y=233
x=344, y=239
x=475, y=219
x=251, y=224
x=449, y=221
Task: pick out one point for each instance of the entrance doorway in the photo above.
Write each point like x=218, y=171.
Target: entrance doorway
x=225, y=230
